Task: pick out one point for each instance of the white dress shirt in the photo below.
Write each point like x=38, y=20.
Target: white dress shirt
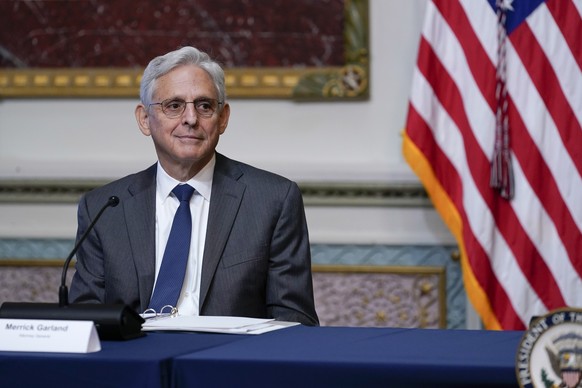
x=166, y=206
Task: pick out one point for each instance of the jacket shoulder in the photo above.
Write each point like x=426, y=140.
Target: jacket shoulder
x=248, y=173
x=123, y=187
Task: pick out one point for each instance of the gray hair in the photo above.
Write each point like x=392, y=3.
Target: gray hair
x=188, y=55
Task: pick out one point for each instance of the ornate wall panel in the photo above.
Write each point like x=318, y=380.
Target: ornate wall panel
x=408, y=256
x=380, y=296
x=31, y=281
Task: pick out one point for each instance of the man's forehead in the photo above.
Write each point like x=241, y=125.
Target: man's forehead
x=186, y=79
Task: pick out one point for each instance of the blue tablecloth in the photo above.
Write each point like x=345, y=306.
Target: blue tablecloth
x=294, y=357
x=141, y=362
x=356, y=357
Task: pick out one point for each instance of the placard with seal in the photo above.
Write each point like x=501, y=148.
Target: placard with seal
x=550, y=352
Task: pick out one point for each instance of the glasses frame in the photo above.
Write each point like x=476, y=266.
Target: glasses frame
x=165, y=312
x=194, y=102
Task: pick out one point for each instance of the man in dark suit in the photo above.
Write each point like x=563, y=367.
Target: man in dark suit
x=249, y=252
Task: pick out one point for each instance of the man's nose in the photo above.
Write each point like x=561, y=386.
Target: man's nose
x=190, y=116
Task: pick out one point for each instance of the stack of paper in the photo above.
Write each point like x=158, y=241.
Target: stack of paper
x=214, y=324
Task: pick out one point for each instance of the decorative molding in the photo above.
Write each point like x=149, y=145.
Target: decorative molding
x=314, y=193
x=72, y=82
x=364, y=194
x=45, y=191
x=346, y=82
x=33, y=263
x=240, y=82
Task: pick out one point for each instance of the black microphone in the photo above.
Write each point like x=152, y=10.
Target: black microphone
x=63, y=290
x=112, y=321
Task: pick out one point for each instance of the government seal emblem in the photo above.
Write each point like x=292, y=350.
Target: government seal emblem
x=550, y=352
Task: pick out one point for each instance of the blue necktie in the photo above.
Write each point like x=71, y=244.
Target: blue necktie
x=173, y=269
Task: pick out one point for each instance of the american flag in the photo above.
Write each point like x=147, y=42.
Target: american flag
x=479, y=80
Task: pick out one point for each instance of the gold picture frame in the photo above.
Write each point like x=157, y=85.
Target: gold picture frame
x=347, y=82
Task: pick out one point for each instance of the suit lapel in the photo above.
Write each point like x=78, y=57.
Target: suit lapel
x=227, y=194
x=140, y=218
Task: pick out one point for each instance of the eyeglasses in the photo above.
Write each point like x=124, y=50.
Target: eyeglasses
x=166, y=311
x=174, y=107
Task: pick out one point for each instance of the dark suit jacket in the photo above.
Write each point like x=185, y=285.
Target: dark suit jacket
x=256, y=263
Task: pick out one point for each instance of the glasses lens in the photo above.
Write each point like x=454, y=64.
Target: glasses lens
x=173, y=108
x=205, y=107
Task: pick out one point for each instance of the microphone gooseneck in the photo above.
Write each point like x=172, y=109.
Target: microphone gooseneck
x=63, y=290
x=112, y=321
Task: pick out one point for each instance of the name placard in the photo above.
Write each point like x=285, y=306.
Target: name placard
x=36, y=335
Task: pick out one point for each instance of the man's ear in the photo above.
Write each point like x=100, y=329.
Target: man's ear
x=223, y=119
x=142, y=117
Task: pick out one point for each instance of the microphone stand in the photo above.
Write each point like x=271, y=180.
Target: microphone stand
x=112, y=321
x=63, y=290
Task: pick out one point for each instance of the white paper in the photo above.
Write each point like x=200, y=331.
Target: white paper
x=215, y=324
x=41, y=335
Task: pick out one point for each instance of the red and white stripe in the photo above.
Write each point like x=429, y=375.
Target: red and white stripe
x=523, y=257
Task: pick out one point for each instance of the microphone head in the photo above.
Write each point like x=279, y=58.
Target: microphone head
x=113, y=201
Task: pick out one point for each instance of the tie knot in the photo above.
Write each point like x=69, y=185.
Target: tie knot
x=183, y=192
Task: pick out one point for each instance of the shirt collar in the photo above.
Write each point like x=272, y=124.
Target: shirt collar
x=202, y=182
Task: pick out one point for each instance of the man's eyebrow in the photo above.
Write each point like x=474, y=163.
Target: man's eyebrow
x=179, y=97
x=171, y=98
x=204, y=98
